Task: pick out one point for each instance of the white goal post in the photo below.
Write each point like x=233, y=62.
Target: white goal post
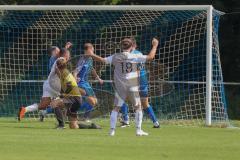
x=209, y=33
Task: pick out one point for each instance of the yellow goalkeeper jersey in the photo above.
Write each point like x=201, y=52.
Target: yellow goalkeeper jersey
x=69, y=85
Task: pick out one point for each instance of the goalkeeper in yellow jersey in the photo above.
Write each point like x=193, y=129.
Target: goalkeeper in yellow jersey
x=70, y=97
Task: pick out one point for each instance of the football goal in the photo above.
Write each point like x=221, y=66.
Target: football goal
x=185, y=79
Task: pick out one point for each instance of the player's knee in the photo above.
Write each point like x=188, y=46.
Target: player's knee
x=92, y=101
x=144, y=103
x=44, y=103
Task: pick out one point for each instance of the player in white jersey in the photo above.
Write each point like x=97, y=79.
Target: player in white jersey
x=126, y=80
x=51, y=87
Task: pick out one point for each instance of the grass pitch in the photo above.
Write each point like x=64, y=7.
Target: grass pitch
x=39, y=141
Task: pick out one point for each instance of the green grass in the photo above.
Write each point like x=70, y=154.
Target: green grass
x=39, y=141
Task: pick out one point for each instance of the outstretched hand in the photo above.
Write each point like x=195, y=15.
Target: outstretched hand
x=155, y=42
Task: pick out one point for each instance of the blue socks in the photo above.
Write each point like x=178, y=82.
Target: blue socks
x=149, y=110
x=124, y=110
x=151, y=114
x=49, y=110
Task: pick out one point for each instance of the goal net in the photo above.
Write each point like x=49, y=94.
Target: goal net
x=178, y=77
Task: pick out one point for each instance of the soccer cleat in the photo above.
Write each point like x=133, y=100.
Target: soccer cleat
x=21, y=113
x=125, y=124
x=141, y=133
x=156, y=125
x=112, y=132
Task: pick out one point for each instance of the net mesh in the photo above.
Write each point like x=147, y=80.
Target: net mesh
x=177, y=76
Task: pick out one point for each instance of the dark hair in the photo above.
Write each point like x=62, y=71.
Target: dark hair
x=126, y=43
x=51, y=49
x=61, y=64
x=63, y=51
x=87, y=45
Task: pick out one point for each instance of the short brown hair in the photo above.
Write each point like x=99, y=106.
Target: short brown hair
x=126, y=43
x=61, y=64
x=51, y=49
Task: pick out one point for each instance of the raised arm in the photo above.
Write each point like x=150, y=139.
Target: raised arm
x=98, y=58
x=107, y=60
x=153, y=51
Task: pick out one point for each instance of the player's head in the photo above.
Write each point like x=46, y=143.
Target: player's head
x=126, y=45
x=65, y=53
x=88, y=47
x=54, y=51
x=61, y=64
x=134, y=43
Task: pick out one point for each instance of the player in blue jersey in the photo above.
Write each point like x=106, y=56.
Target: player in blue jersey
x=143, y=88
x=83, y=69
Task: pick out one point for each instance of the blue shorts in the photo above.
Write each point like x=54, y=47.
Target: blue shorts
x=143, y=90
x=87, y=88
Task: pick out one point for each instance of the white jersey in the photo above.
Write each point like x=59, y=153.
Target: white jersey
x=126, y=77
x=53, y=79
x=126, y=65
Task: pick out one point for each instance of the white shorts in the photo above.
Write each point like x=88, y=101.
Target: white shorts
x=48, y=91
x=121, y=94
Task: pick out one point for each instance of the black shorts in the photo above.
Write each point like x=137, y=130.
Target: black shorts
x=72, y=104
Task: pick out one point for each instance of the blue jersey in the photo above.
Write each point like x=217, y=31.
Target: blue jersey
x=84, y=68
x=51, y=62
x=143, y=73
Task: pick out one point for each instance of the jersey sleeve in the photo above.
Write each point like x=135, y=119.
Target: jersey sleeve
x=109, y=59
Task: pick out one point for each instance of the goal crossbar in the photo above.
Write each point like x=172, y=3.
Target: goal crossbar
x=105, y=7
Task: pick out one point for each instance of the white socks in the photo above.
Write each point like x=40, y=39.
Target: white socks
x=113, y=119
x=32, y=108
x=138, y=119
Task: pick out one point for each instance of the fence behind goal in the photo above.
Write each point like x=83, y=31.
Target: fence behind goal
x=177, y=76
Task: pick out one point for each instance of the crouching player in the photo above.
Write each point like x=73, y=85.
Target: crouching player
x=70, y=98
x=70, y=94
x=126, y=80
x=143, y=94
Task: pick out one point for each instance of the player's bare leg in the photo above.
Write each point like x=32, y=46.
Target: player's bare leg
x=44, y=103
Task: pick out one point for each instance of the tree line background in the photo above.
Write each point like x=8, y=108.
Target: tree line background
x=229, y=35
